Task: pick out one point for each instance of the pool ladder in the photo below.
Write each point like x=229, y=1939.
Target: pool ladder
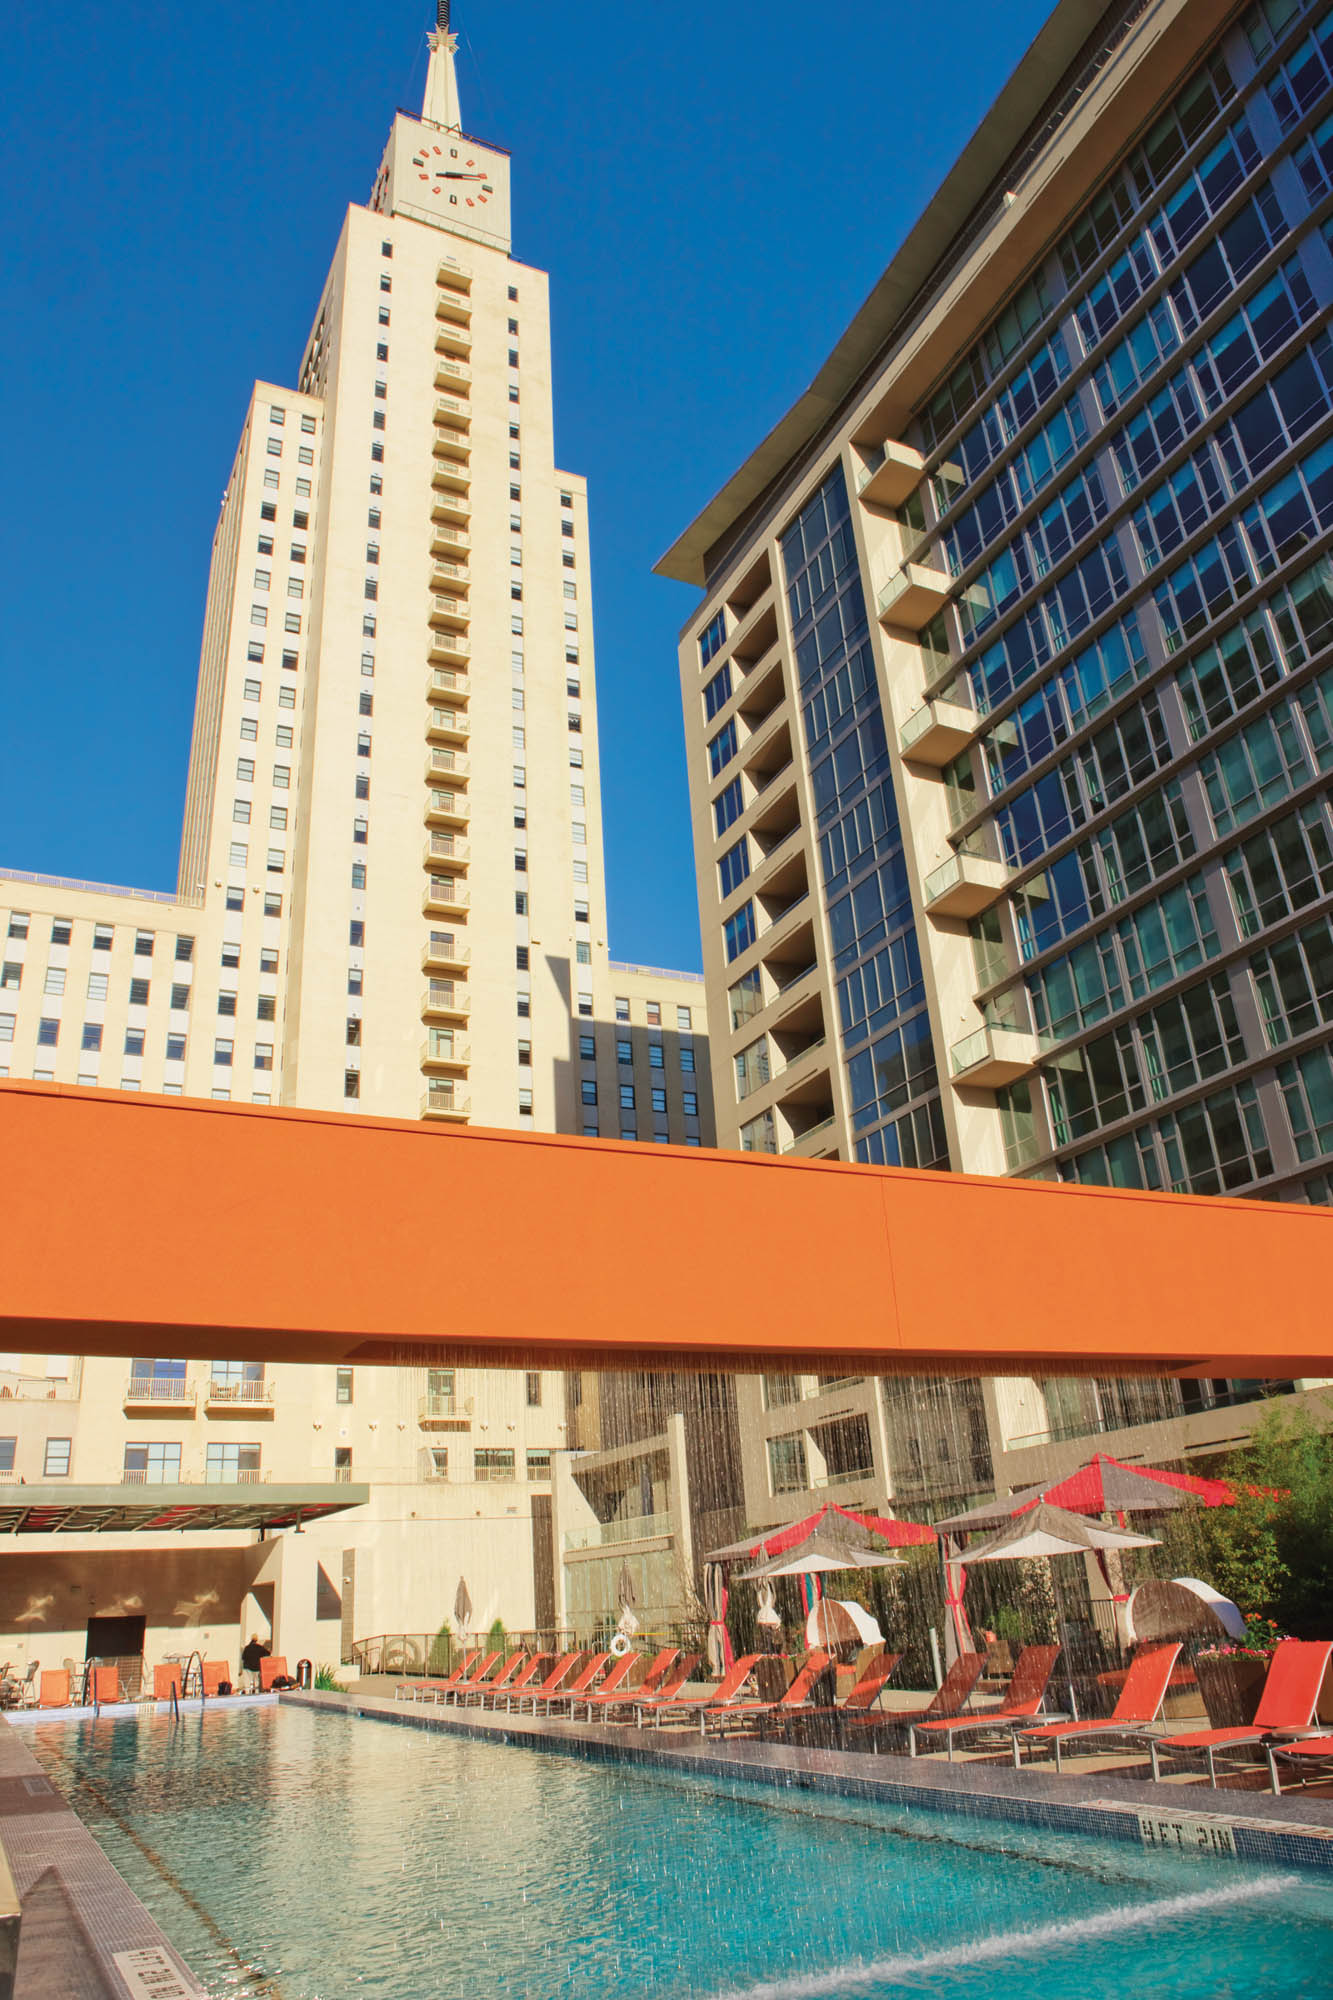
x=185, y=1681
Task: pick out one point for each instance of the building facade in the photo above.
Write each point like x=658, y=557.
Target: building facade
x=391, y=894
x=1009, y=708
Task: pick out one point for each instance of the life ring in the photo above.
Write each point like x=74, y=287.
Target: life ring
x=621, y=1644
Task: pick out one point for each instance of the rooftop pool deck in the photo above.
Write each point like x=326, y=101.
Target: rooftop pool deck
x=300, y=1850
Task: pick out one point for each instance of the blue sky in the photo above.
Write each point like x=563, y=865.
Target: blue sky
x=714, y=190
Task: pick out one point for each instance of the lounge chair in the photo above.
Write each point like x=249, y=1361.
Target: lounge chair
x=104, y=1684
x=1022, y=1700
x=54, y=1688
x=665, y=1688
x=822, y=1722
x=167, y=1679
x=584, y=1677
x=560, y=1672
x=613, y=1693
x=949, y=1699
x=214, y=1672
x=1318, y=1749
x=485, y=1668
x=1286, y=1706
x=686, y=1707
x=272, y=1669
x=418, y=1690
x=531, y=1670
x=746, y=1712
x=617, y=1674
x=473, y=1690
x=1140, y=1701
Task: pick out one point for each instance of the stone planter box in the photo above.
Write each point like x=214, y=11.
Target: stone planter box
x=1230, y=1685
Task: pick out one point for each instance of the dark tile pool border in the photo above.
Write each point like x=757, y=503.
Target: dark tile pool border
x=1272, y=1832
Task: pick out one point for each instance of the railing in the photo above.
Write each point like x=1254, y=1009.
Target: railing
x=923, y=718
x=155, y=1476
x=950, y=873
x=457, y=999
x=990, y=1040
x=441, y=1408
x=604, y=1534
x=239, y=1392
x=43, y=1388
x=811, y=1132
x=189, y=901
x=159, y=1389
x=438, y=1101
x=655, y=971
x=777, y=922
x=342, y=1475
x=820, y=1480
x=444, y=680
x=443, y=891
x=781, y=1069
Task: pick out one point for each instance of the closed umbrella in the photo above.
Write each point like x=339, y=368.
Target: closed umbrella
x=462, y=1606
x=626, y=1595
x=720, y=1653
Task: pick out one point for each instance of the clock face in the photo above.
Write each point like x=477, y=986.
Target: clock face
x=450, y=173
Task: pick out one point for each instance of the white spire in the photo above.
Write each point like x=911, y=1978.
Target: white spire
x=440, y=105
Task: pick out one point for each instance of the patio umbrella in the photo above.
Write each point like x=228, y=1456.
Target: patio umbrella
x=462, y=1605
x=626, y=1595
x=1103, y=1486
x=1045, y=1530
x=1180, y=1607
x=720, y=1654
x=839, y=1621
x=898, y=1534
x=816, y=1554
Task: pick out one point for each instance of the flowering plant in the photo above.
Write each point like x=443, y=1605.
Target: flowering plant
x=1262, y=1639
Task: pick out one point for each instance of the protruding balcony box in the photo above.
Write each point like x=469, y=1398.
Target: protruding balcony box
x=449, y=541
x=936, y=732
x=451, y=413
x=159, y=1392
x=966, y=885
x=447, y=684
x=447, y=766
x=451, y=276
x=448, y=725
x=447, y=808
x=446, y=1001
x=445, y=1055
x=816, y=1139
x=450, y=614
x=994, y=1055
x=892, y=475
x=449, y=576
x=911, y=598
x=444, y=896
x=447, y=647
x=450, y=505
x=453, y=445
x=453, y=374
x=440, y=1102
x=442, y=1412
x=444, y=953
x=242, y=1399
x=454, y=337
x=446, y=853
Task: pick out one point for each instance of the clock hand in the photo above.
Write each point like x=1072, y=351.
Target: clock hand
x=450, y=175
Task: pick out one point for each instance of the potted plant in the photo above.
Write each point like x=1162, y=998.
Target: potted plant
x=1231, y=1676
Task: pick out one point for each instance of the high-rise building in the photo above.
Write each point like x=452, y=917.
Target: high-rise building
x=1009, y=708
x=391, y=895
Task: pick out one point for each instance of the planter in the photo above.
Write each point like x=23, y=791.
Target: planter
x=1230, y=1685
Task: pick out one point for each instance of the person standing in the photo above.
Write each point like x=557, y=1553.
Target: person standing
x=252, y=1655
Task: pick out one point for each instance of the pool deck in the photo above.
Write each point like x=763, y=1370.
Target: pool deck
x=1099, y=1799
x=85, y=1935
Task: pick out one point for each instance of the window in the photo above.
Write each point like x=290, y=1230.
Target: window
x=266, y=1008
x=48, y=1033
x=175, y=1048
x=588, y=1091
x=290, y=662
x=282, y=736
x=521, y=957
x=358, y=874
x=97, y=985
x=582, y=953
x=277, y=818
x=55, y=979
x=581, y=913
x=690, y=1103
x=717, y=692
x=342, y=1391
x=263, y=1055
x=249, y=728
x=361, y=831
x=492, y=1464
x=11, y=975
x=55, y=1461
x=253, y=690
x=656, y=1056
x=92, y=1035
x=272, y=903
x=245, y=770
x=524, y=1004
x=240, y=812
x=361, y=788
x=139, y=992
x=180, y=999
x=229, y=1464
x=356, y=932
x=354, y=980
x=659, y=1097
x=238, y=854
x=711, y=638
x=627, y=1096
x=60, y=930
x=739, y=932
x=223, y=1053
x=271, y=477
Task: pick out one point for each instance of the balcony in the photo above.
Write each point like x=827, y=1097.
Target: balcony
x=611, y=1534
x=448, y=725
x=993, y=1056
x=440, y=1102
x=445, y=1001
x=150, y=1392
x=455, y=445
x=449, y=649
x=445, y=1412
x=449, y=764
x=253, y=1399
x=213, y=1477
x=447, y=808
x=450, y=614
x=447, y=848
x=447, y=541
x=448, y=682
x=450, y=504
x=450, y=373
x=936, y=733
x=453, y=307
x=444, y=953
x=910, y=599
x=449, y=575
x=452, y=275
x=890, y=475
x=442, y=1054
x=444, y=896
x=815, y=1141
x=454, y=337
x=451, y=414
x=966, y=885
x=448, y=476
x=767, y=748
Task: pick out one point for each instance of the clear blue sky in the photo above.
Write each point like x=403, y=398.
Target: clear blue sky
x=714, y=189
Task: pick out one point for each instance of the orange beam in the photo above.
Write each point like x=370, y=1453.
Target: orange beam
x=176, y=1226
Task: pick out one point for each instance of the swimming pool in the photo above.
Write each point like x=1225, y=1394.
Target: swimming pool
x=305, y=1856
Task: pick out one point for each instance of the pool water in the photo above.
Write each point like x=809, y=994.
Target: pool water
x=304, y=1856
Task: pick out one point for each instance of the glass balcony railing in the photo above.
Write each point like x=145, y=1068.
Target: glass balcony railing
x=604, y=1534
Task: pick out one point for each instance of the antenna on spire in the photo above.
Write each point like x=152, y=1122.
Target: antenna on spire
x=442, y=16
x=441, y=101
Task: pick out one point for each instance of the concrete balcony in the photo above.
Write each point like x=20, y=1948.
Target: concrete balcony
x=454, y=336
x=444, y=953
x=444, y=897
x=452, y=508
x=453, y=374
x=890, y=475
x=449, y=648
x=452, y=415
x=447, y=765
x=936, y=733
x=444, y=1055
x=450, y=614
x=966, y=885
x=447, y=683
x=447, y=848
x=815, y=1141
x=447, y=808
x=453, y=309
x=452, y=275
x=446, y=1001
x=241, y=1399
x=148, y=1392
x=445, y=1413
x=448, y=725
x=449, y=477
x=440, y=1102
x=455, y=445
x=448, y=575
x=993, y=1056
x=910, y=599
x=449, y=541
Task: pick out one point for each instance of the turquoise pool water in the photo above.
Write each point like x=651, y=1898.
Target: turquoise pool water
x=299, y=1856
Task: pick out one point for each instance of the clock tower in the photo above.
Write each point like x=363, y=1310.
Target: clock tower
x=433, y=171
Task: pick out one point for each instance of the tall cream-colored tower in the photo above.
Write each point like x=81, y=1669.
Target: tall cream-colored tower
x=391, y=894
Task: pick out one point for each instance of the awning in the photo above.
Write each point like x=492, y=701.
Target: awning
x=128, y=1510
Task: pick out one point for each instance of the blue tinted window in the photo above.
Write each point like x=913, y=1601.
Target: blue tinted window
x=718, y=692
x=734, y=866
x=739, y=931
x=727, y=806
x=713, y=635
x=722, y=748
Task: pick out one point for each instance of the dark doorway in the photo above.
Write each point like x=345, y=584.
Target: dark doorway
x=115, y=1638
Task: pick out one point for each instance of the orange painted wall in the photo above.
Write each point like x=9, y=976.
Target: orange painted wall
x=137, y=1224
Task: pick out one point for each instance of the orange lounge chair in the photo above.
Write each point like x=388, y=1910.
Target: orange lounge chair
x=54, y=1689
x=949, y=1699
x=859, y=1700
x=216, y=1671
x=272, y=1669
x=104, y=1684
x=1140, y=1700
x=473, y=1690
x=728, y=1689
x=491, y=1697
x=561, y=1671
x=796, y=1696
x=165, y=1679
x=1319, y=1749
x=474, y=1680
x=1022, y=1700
x=612, y=1692
x=617, y=1674
x=663, y=1685
x=583, y=1678
x=416, y=1690
x=1286, y=1706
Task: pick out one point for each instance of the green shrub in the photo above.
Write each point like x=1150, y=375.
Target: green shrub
x=326, y=1677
